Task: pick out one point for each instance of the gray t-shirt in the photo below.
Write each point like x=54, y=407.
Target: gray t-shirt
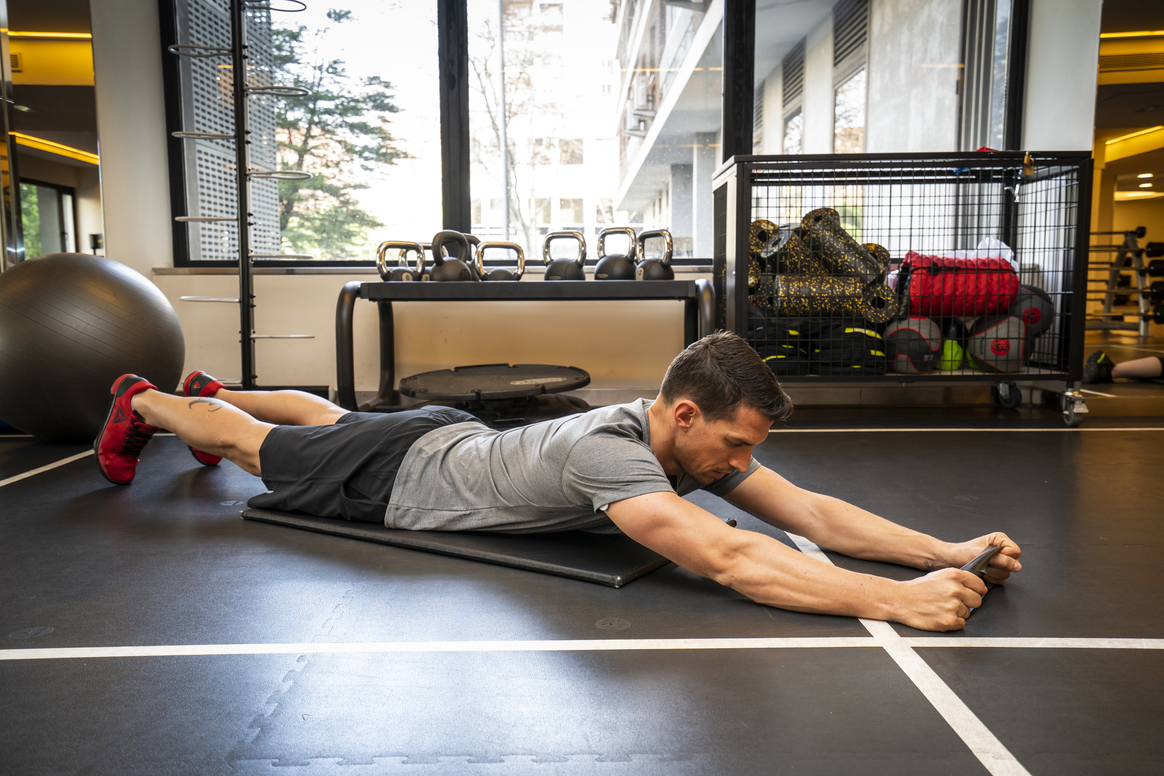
x=558, y=475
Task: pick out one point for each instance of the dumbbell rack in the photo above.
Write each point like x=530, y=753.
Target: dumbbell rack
x=245, y=172
x=1129, y=257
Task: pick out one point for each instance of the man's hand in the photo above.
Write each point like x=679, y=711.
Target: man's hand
x=1001, y=565
x=939, y=601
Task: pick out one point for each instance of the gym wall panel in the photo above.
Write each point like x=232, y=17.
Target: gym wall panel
x=1063, y=55
x=818, y=88
x=914, y=56
x=132, y=130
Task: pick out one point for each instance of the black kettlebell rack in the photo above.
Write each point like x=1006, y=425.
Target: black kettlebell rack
x=697, y=296
x=245, y=173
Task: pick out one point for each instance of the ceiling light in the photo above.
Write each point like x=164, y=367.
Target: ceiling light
x=60, y=149
x=62, y=35
x=1129, y=136
x=1136, y=34
x=1144, y=175
x=1145, y=185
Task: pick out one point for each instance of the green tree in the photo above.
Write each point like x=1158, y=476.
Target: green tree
x=338, y=131
x=30, y=220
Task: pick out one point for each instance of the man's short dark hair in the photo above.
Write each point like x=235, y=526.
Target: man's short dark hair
x=720, y=372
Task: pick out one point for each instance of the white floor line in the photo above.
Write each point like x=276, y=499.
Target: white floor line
x=1131, y=347
x=966, y=430
x=991, y=752
x=431, y=647
x=926, y=642
x=881, y=632
x=1099, y=393
x=61, y=462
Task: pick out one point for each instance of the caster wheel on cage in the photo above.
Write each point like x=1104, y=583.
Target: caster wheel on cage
x=1071, y=416
x=1008, y=395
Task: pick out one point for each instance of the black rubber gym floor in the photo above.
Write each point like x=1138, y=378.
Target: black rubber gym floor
x=149, y=630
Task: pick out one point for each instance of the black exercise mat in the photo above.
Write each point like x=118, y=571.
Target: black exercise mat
x=606, y=559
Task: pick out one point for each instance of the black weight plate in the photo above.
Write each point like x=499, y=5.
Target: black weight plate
x=493, y=382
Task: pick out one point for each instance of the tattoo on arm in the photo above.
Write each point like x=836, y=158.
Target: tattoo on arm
x=929, y=565
x=215, y=405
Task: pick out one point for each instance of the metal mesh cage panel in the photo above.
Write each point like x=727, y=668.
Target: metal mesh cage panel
x=916, y=267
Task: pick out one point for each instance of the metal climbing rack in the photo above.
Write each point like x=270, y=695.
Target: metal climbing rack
x=1126, y=266
x=245, y=170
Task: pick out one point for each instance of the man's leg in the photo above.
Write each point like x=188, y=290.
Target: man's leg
x=207, y=424
x=1139, y=369
x=282, y=408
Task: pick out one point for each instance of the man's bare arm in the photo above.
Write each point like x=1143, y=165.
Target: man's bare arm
x=772, y=573
x=852, y=531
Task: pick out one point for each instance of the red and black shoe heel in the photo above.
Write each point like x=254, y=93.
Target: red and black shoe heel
x=124, y=433
x=198, y=383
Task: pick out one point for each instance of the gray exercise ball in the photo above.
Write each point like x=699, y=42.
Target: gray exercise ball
x=70, y=324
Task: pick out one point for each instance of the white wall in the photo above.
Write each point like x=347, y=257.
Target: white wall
x=912, y=77
x=1059, y=102
x=818, y=89
x=131, y=131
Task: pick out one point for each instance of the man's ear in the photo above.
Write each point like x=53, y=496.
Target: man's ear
x=685, y=411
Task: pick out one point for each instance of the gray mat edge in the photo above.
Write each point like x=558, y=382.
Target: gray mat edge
x=429, y=541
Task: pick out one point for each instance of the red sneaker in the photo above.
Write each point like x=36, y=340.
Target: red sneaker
x=198, y=383
x=124, y=433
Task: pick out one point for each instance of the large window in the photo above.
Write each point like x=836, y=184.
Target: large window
x=849, y=115
x=364, y=123
x=581, y=114
x=46, y=212
x=793, y=142
x=540, y=121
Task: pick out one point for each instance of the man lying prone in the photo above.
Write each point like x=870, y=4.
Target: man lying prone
x=619, y=468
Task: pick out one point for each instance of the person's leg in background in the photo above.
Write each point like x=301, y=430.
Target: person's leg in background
x=1101, y=369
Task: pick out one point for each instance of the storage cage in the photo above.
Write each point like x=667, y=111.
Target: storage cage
x=906, y=268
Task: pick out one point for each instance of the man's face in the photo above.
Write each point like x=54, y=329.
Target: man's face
x=708, y=451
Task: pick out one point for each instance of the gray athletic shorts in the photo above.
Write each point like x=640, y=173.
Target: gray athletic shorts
x=346, y=470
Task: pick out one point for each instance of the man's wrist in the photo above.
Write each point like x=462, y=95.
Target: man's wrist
x=940, y=555
x=889, y=601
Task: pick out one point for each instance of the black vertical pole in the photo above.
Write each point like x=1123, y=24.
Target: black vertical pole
x=175, y=146
x=1016, y=74
x=739, y=70
x=453, y=53
x=246, y=286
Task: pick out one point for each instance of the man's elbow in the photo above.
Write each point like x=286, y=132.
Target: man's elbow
x=723, y=564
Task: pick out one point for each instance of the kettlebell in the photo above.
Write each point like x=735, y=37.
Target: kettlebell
x=565, y=269
x=615, y=266
x=660, y=268
x=474, y=241
x=499, y=273
x=451, y=268
x=401, y=272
